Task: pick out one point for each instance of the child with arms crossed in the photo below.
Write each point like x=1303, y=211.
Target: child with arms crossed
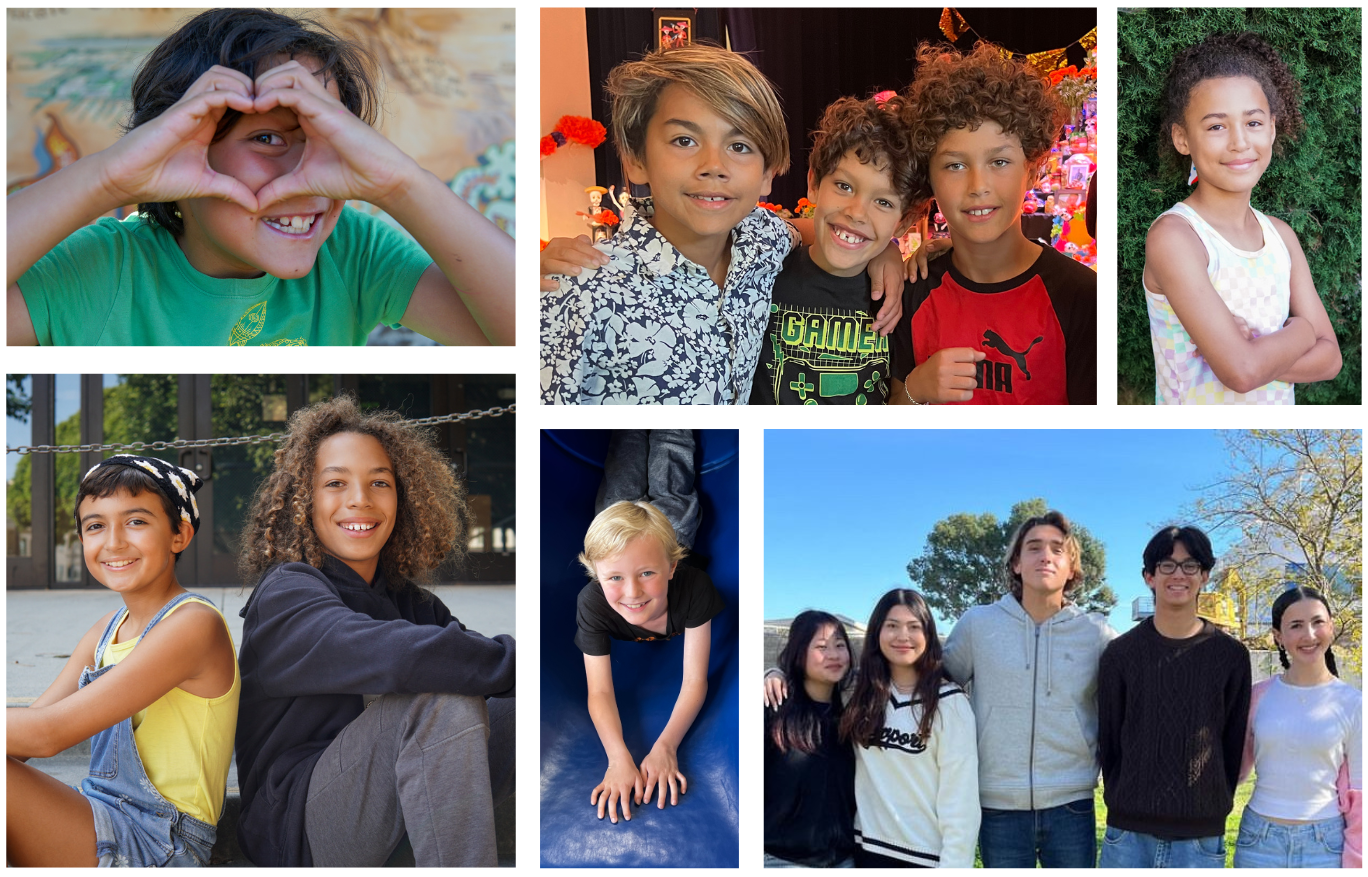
x=1234, y=314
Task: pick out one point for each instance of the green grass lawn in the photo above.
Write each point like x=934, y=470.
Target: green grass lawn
x=1242, y=794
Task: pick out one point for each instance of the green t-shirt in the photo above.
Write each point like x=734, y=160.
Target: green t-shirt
x=127, y=282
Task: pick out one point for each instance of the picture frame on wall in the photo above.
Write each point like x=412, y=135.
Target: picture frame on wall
x=674, y=27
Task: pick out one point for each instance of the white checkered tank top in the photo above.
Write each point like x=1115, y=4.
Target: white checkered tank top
x=1256, y=286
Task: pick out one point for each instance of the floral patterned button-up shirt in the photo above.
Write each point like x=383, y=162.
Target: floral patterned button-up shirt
x=651, y=326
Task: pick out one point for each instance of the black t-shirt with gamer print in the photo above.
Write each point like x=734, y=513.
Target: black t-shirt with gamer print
x=691, y=600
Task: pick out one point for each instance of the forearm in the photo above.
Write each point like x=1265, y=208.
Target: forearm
x=603, y=712
x=29, y=733
x=474, y=254
x=1263, y=359
x=42, y=215
x=1321, y=363
x=691, y=696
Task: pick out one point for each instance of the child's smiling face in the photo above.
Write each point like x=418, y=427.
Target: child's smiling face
x=636, y=582
x=857, y=211
x=980, y=178
x=128, y=541
x=705, y=175
x=355, y=500
x=223, y=239
x=1228, y=131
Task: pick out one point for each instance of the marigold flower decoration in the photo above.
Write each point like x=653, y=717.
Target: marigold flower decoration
x=775, y=208
x=573, y=129
x=805, y=208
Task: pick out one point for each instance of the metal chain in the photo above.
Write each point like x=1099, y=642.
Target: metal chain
x=238, y=440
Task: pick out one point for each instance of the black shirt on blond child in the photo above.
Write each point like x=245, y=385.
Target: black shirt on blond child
x=692, y=601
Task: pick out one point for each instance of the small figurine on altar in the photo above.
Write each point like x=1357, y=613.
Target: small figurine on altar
x=599, y=219
x=1031, y=204
x=1050, y=206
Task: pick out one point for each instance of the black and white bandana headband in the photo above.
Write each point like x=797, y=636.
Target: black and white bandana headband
x=178, y=484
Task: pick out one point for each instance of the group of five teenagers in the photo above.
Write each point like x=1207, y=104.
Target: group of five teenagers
x=1305, y=744
x=363, y=714
x=1163, y=707
x=1234, y=314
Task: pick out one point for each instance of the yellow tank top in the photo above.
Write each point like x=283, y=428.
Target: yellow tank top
x=185, y=741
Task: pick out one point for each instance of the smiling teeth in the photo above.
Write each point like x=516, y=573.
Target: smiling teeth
x=295, y=225
x=117, y=564
x=982, y=211
x=358, y=526
x=710, y=198
x=848, y=237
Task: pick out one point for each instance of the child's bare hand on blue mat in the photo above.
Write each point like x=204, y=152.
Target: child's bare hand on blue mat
x=660, y=768
x=621, y=785
x=167, y=158
x=344, y=158
x=569, y=256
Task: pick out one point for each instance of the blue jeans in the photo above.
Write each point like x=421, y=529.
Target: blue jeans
x=1059, y=837
x=656, y=465
x=1265, y=844
x=134, y=825
x=1131, y=849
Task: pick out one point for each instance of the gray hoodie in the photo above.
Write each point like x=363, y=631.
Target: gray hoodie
x=1034, y=692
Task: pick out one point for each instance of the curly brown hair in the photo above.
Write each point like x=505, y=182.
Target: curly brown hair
x=877, y=133
x=1225, y=55
x=431, y=521
x=954, y=90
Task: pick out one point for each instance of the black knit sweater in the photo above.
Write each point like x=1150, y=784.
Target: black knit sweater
x=1171, y=730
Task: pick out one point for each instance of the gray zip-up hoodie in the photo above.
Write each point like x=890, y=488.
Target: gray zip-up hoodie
x=1034, y=692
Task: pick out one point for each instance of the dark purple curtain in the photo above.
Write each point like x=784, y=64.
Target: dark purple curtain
x=814, y=56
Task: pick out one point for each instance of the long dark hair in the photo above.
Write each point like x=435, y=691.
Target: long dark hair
x=863, y=720
x=1296, y=595
x=798, y=723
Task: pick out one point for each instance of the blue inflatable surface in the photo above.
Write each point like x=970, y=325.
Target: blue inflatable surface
x=701, y=832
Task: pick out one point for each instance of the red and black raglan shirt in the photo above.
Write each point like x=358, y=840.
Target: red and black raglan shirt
x=1038, y=329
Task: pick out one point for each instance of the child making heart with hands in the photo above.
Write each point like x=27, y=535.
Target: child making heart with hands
x=241, y=177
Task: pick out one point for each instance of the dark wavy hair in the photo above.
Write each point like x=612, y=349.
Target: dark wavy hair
x=431, y=522
x=1225, y=55
x=1071, y=547
x=953, y=91
x=863, y=720
x=1296, y=595
x=877, y=133
x=244, y=40
x=798, y=722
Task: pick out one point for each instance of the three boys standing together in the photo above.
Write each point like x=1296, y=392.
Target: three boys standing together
x=704, y=297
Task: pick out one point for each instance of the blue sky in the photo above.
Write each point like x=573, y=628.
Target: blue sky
x=845, y=510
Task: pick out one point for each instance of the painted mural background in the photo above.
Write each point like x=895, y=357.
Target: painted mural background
x=448, y=88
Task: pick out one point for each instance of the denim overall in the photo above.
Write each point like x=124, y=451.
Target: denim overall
x=134, y=825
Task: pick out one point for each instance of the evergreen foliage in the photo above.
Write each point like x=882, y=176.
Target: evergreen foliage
x=1314, y=185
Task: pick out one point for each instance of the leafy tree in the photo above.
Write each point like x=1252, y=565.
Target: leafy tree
x=1296, y=498
x=962, y=565
x=18, y=405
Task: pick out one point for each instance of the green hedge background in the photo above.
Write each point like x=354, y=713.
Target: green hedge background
x=1314, y=185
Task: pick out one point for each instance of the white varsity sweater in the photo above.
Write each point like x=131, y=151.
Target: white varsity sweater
x=919, y=803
